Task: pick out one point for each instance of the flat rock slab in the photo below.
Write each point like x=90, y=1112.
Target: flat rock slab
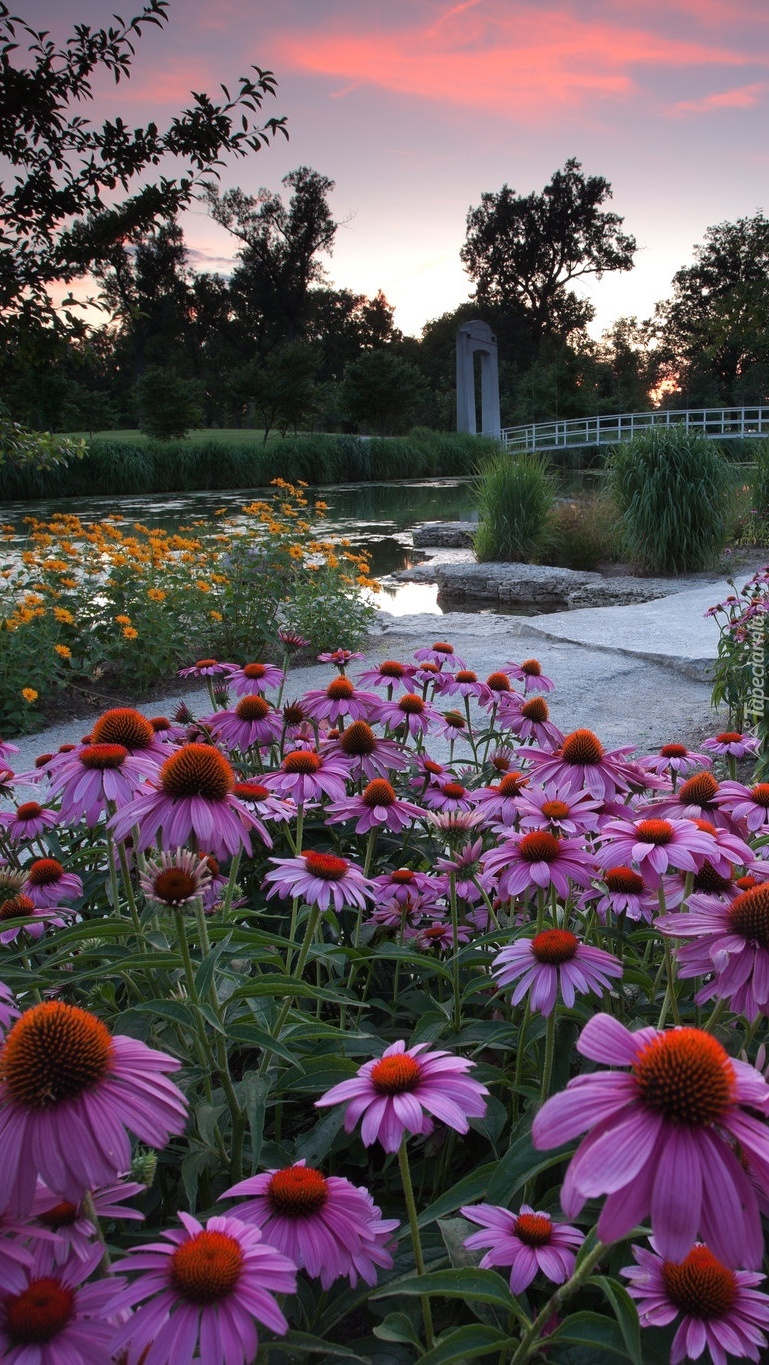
x=465, y=579
x=439, y=534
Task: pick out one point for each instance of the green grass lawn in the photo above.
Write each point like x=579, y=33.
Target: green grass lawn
x=242, y=437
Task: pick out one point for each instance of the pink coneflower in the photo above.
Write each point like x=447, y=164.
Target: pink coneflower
x=439, y=934
x=731, y=942
x=124, y=725
x=207, y=668
x=527, y=1241
x=377, y=807
x=367, y=754
x=529, y=719
x=402, y=894
x=47, y=884
x=523, y=862
x=256, y=797
x=72, y=1228
x=324, y=1224
x=732, y=744
x=500, y=802
x=531, y=675
x=9, y=1010
x=54, y=1318
x=390, y=674
x=308, y=775
x=675, y=760
x=553, y=962
x=397, y=1093
x=320, y=879
x=655, y=846
x=582, y=764
x=411, y=712
x=748, y=804
x=471, y=879
x=562, y=812
x=254, y=677
x=6, y=749
x=449, y=795
x=441, y=654
x=253, y=721
x=696, y=799
x=463, y=683
x=622, y=892
x=28, y=821
x=341, y=700
x=19, y=914
x=94, y=778
x=722, y=1311
x=191, y=797
x=291, y=640
x=340, y=656
x=200, y=1293
x=68, y=1092
x=662, y=1138
x=175, y=878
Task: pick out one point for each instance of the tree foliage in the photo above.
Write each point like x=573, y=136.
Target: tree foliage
x=63, y=212
x=525, y=249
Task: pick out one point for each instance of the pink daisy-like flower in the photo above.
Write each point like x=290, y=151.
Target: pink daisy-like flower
x=69, y=1090
x=722, y=1311
x=175, y=878
x=255, y=797
x=9, y=1010
x=207, y=668
x=523, y=862
x=254, y=677
x=527, y=1241
x=28, y=821
x=730, y=946
x=409, y=711
x=324, y=1224
x=127, y=726
x=471, y=879
x=440, y=653
x=662, y=1138
x=449, y=795
x=463, y=683
x=581, y=763
x=320, y=879
x=377, y=807
x=19, y=914
x=390, y=675
x=529, y=719
x=6, y=749
x=695, y=799
x=199, y=1294
x=191, y=797
x=675, y=760
x=252, y=722
x=55, y=1318
x=748, y=804
x=655, y=846
x=72, y=1229
x=47, y=884
x=531, y=675
x=732, y=744
x=500, y=802
x=341, y=700
x=439, y=933
x=399, y=1091
x=367, y=754
x=553, y=962
x=562, y=812
x=403, y=894
x=95, y=777
x=308, y=775
x=340, y=656
x=623, y=892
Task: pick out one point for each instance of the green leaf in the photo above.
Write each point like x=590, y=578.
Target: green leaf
x=595, y=1331
x=397, y=1327
x=306, y=1344
x=467, y=1343
x=466, y=1191
x=481, y=1286
x=625, y=1312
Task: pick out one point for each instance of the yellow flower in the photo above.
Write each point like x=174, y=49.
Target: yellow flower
x=64, y=617
x=68, y=582
x=123, y=620
x=29, y=694
x=156, y=594
x=216, y=616
x=129, y=632
x=63, y=651
x=296, y=551
x=204, y=587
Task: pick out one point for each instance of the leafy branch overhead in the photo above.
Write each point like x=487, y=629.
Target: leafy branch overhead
x=62, y=212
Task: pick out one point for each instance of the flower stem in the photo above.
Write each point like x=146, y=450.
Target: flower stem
x=408, y=1190
x=547, y=1066
x=530, y=1339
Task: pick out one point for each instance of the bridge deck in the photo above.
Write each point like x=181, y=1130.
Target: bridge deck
x=609, y=428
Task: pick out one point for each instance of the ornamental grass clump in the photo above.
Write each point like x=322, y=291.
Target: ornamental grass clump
x=452, y=1016
x=674, y=493
x=514, y=496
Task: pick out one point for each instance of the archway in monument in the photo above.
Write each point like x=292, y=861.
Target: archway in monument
x=477, y=338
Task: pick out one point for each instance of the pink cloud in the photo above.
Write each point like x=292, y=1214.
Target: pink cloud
x=508, y=59
x=742, y=97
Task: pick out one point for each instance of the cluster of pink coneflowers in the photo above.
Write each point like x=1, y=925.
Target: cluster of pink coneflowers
x=385, y=1018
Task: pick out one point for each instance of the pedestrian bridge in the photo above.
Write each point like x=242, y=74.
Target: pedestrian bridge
x=609, y=428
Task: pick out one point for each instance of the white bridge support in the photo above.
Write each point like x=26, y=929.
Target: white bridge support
x=477, y=338
x=720, y=423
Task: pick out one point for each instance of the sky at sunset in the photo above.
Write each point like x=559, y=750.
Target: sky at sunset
x=415, y=107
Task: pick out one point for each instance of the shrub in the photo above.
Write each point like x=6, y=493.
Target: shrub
x=583, y=533
x=673, y=491
x=514, y=496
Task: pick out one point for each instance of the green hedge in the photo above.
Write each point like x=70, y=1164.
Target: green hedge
x=119, y=466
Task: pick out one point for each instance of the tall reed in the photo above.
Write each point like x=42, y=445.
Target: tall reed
x=514, y=496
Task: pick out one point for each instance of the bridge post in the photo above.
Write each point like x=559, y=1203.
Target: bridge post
x=477, y=337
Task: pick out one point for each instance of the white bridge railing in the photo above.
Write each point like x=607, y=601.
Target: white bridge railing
x=608, y=429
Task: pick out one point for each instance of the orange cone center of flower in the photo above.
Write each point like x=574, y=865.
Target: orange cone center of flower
x=498, y=682
x=254, y=670
x=358, y=740
x=699, y=790
x=729, y=737
x=440, y=647
x=293, y=713
x=624, y=879
x=402, y=875
x=536, y=709
x=673, y=751
x=28, y=810
x=555, y=810
x=326, y=866
x=45, y=871
x=62, y=1215
x=531, y=667
x=759, y=793
x=654, y=831
x=687, y=1076
x=175, y=884
x=39, y=1313
x=378, y=793
x=396, y=1074
x=700, y=1286
x=582, y=746
x=534, y=1229
x=391, y=669
x=103, y=755
x=301, y=761
x=748, y=915
x=454, y=790
x=340, y=689
x=53, y=1053
x=252, y=708
x=427, y=666
x=207, y=1267
x=465, y=675
x=554, y=945
x=125, y=726
x=538, y=847
x=432, y=767
x=250, y=791
x=455, y=719
x=197, y=770
x=512, y=784
x=411, y=704
x=297, y=1191
x=16, y=906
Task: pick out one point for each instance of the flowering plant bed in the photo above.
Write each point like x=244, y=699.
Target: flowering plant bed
x=383, y=1024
